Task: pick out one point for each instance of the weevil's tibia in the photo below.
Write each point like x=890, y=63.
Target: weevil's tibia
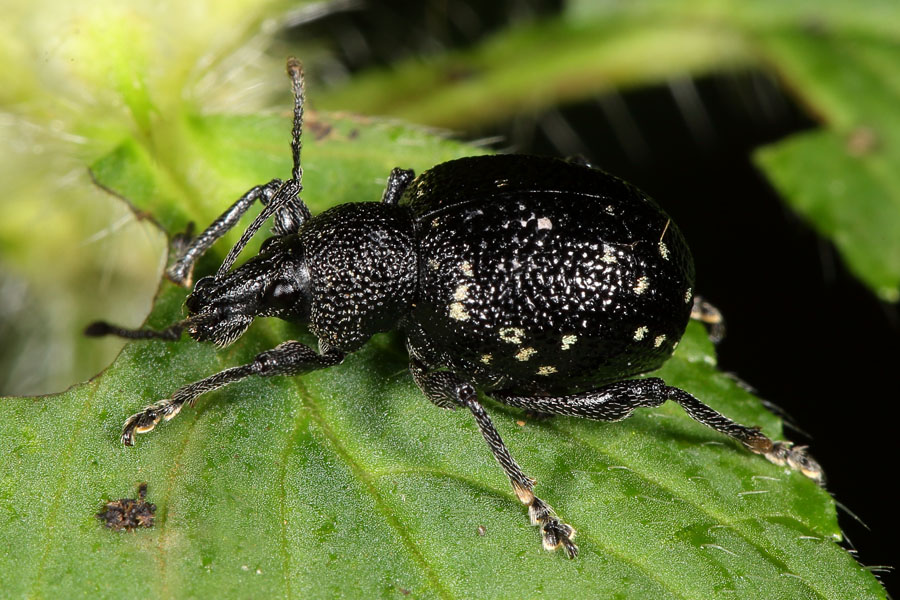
x=180, y=271
x=618, y=401
x=447, y=390
x=289, y=358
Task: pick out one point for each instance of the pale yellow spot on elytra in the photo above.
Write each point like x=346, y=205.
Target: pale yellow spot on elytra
x=466, y=269
x=688, y=295
x=659, y=341
x=461, y=292
x=547, y=370
x=525, y=353
x=640, y=332
x=435, y=265
x=664, y=250
x=568, y=340
x=544, y=223
x=458, y=311
x=487, y=358
x=642, y=284
x=513, y=335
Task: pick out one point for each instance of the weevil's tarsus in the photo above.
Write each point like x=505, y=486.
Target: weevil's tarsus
x=710, y=316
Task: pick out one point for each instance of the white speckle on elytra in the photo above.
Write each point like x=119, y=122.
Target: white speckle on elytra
x=675, y=345
x=435, y=222
x=462, y=292
x=568, y=341
x=466, y=269
x=642, y=284
x=659, y=341
x=544, y=223
x=487, y=358
x=608, y=256
x=664, y=250
x=525, y=353
x=640, y=332
x=513, y=335
x=458, y=311
x=610, y=210
x=435, y=265
x=688, y=295
x=546, y=370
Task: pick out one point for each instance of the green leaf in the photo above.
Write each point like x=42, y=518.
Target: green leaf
x=347, y=481
x=845, y=180
x=841, y=60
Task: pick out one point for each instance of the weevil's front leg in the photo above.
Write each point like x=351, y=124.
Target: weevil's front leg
x=289, y=358
x=449, y=390
x=617, y=401
x=180, y=271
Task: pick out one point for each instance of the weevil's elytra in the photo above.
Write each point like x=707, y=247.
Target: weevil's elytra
x=541, y=282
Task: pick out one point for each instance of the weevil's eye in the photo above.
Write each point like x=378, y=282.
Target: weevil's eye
x=280, y=295
x=199, y=296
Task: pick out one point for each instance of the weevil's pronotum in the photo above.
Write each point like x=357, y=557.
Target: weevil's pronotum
x=543, y=283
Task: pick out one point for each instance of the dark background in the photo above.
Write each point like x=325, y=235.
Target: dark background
x=801, y=330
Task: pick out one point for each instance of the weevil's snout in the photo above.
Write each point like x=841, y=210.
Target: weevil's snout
x=218, y=313
x=272, y=284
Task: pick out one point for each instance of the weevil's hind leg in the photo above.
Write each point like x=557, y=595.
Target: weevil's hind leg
x=448, y=390
x=617, y=401
x=397, y=182
x=710, y=316
x=289, y=358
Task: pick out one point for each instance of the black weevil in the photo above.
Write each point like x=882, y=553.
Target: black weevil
x=544, y=283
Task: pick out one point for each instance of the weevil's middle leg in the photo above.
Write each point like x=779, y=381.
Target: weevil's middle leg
x=288, y=358
x=448, y=390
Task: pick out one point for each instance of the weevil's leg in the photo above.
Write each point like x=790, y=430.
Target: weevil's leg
x=710, y=316
x=180, y=271
x=396, y=183
x=617, y=401
x=289, y=358
x=448, y=390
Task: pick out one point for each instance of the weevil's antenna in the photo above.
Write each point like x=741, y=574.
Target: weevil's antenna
x=289, y=192
x=295, y=72
x=102, y=328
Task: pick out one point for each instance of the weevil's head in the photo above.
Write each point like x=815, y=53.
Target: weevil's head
x=275, y=283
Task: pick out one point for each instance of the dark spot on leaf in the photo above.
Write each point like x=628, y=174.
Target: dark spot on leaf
x=862, y=141
x=482, y=530
x=319, y=129
x=128, y=513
